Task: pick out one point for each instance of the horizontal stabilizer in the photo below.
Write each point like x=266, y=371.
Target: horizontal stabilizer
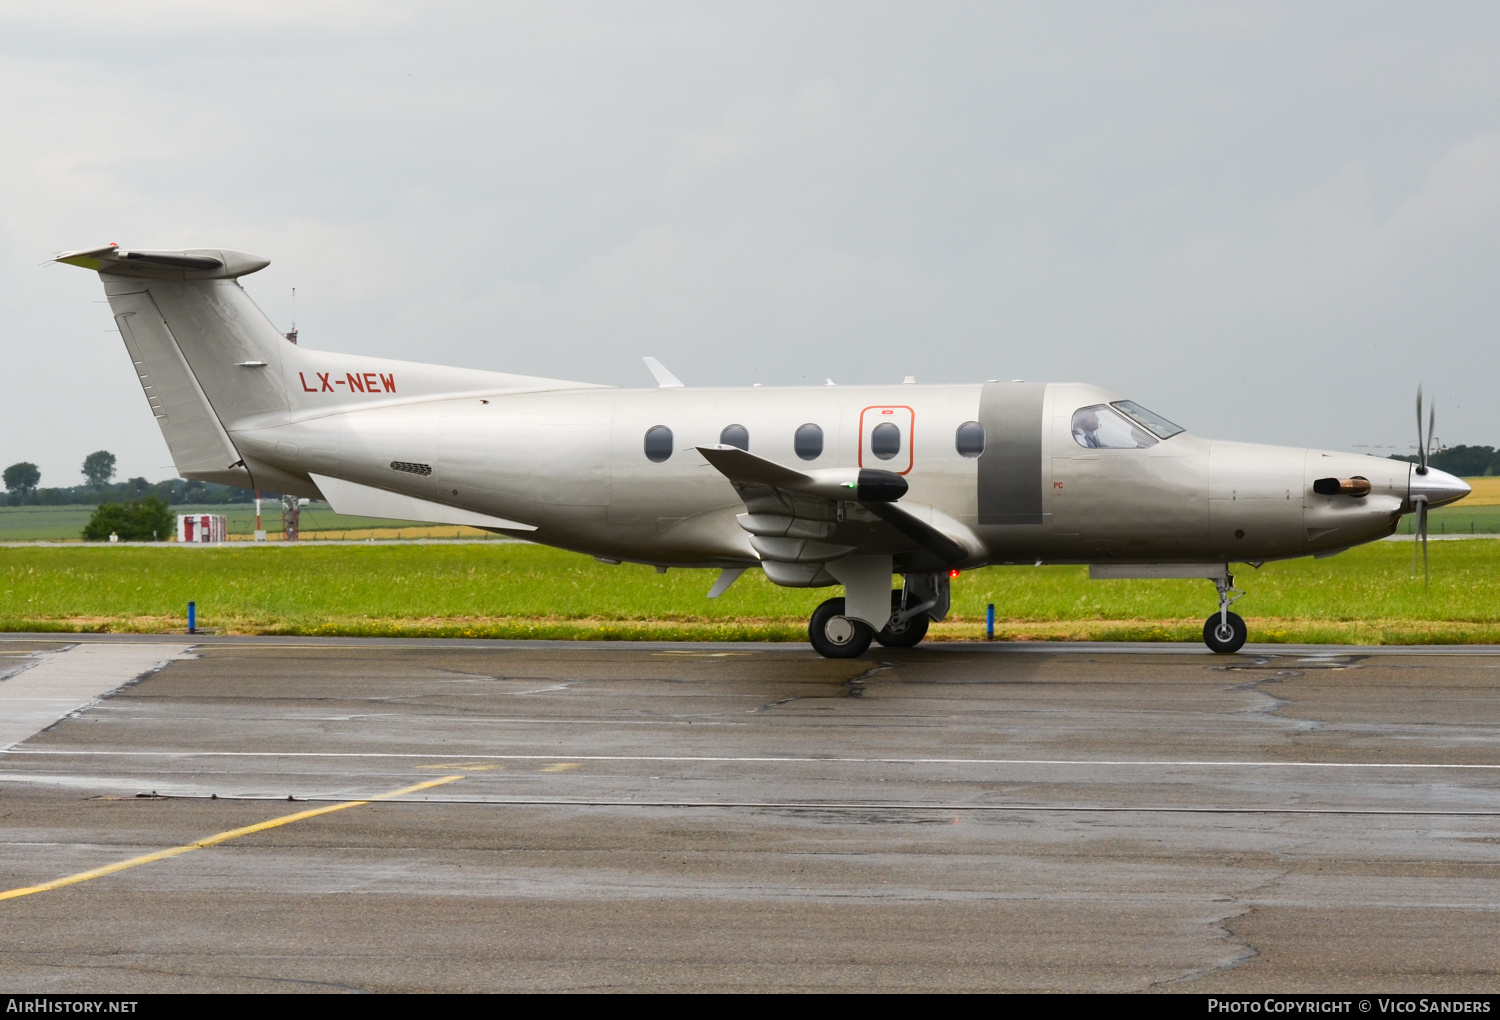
x=188, y=264
x=368, y=501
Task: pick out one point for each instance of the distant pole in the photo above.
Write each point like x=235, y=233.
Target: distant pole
x=292, y=335
x=192, y=617
x=291, y=518
x=989, y=622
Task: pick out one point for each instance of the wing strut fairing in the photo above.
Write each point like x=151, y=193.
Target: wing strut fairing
x=727, y=576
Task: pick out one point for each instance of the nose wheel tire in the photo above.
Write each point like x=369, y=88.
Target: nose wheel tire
x=1225, y=638
x=903, y=635
x=834, y=635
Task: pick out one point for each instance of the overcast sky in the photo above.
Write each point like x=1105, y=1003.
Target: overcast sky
x=1268, y=222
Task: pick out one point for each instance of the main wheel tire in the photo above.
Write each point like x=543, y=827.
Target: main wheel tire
x=1225, y=639
x=905, y=635
x=834, y=635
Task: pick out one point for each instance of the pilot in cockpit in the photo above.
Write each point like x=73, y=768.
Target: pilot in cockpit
x=1101, y=427
x=1086, y=428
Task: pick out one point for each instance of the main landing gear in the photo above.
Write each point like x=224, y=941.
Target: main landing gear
x=836, y=636
x=908, y=623
x=1225, y=631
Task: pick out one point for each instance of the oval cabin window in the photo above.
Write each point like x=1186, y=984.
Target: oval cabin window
x=969, y=440
x=808, y=442
x=658, y=443
x=885, y=440
x=735, y=435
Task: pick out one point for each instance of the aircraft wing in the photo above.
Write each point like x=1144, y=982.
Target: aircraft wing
x=822, y=515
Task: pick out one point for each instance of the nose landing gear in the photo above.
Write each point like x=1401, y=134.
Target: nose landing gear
x=1225, y=631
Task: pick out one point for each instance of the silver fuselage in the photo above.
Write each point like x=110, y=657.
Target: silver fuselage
x=572, y=464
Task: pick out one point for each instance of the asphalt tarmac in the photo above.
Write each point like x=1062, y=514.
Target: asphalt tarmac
x=735, y=817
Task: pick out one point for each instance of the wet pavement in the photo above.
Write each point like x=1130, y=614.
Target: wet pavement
x=709, y=817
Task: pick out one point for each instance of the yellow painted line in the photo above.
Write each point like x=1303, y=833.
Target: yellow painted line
x=562, y=766
x=467, y=766
x=161, y=855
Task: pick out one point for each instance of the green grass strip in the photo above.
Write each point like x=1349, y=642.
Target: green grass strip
x=1364, y=596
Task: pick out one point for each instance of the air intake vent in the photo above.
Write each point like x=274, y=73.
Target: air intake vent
x=410, y=468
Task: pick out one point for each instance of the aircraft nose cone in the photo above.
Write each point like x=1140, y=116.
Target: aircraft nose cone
x=1437, y=487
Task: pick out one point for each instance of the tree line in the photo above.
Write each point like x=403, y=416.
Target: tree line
x=1464, y=461
x=23, y=487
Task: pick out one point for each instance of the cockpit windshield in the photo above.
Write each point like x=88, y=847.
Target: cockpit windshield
x=1100, y=427
x=1153, y=421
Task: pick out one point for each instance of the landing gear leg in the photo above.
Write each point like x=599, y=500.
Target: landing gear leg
x=1225, y=631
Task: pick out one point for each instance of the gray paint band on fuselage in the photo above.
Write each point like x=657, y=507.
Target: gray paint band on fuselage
x=1010, y=469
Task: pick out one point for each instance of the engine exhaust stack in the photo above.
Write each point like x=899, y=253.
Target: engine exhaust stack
x=1354, y=487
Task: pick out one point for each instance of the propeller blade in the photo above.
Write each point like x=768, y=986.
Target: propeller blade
x=1426, y=566
x=1431, y=430
x=1419, y=534
x=1416, y=536
x=1421, y=446
x=1419, y=537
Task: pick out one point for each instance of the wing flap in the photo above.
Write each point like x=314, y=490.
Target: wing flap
x=919, y=531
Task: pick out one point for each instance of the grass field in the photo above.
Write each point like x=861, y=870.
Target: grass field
x=1364, y=596
x=1463, y=519
x=1477, y=514
x=65, y=523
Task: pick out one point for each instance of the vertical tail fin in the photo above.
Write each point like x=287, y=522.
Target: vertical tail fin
x=206, y=356
x=225, y=385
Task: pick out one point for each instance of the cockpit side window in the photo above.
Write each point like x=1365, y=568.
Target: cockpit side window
x=1100, y=427
x=1154, y=422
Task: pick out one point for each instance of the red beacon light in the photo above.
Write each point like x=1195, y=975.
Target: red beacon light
x=954, y=572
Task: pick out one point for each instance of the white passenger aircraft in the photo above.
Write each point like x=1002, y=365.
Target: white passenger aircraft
x=816, y=486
